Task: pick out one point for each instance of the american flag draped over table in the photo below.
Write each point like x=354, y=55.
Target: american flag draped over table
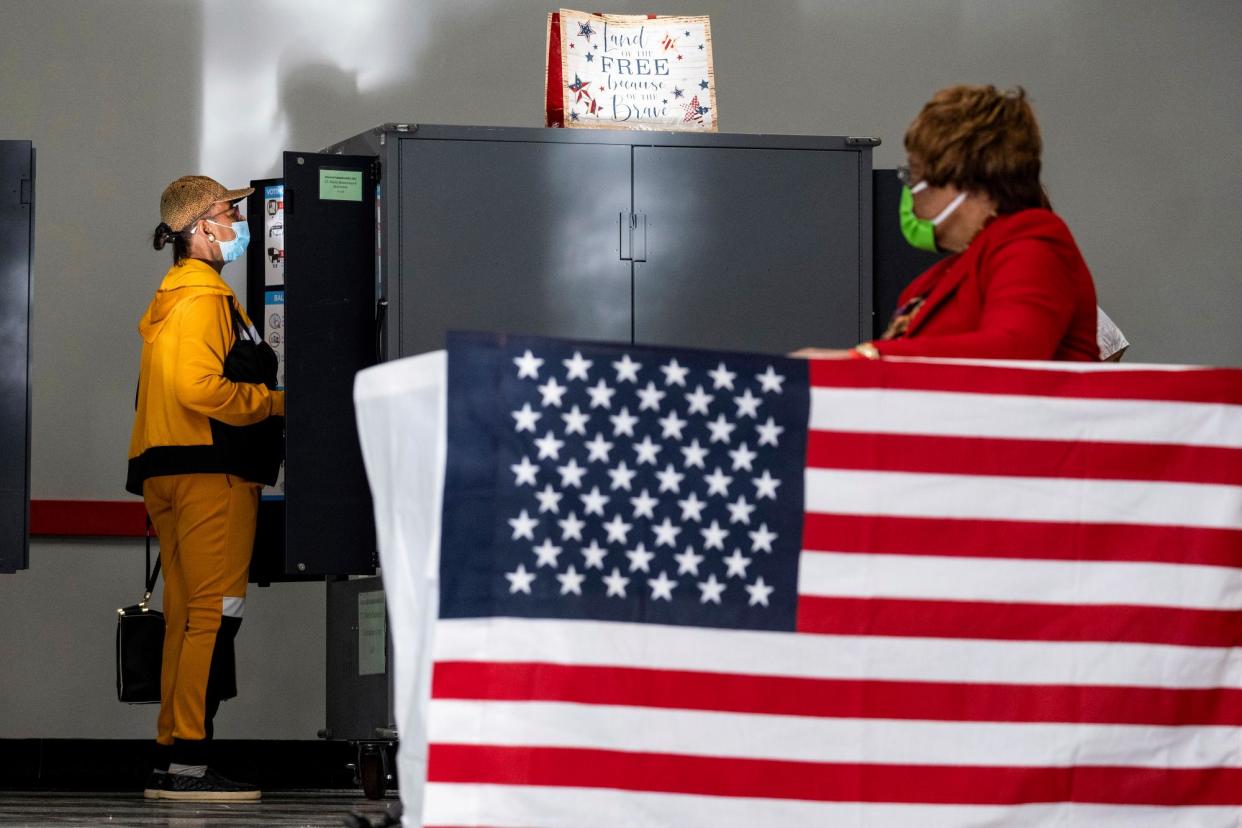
x=683, y=587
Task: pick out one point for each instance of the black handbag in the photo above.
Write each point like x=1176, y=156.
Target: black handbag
x=140, y=643
x=253, y=452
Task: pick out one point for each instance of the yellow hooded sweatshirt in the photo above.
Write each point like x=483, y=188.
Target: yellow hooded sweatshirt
x=187, y=332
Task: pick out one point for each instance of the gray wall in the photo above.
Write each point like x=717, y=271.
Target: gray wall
x=1137, y=100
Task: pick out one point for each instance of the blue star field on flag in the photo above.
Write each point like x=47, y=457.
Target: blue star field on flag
x=623, y=483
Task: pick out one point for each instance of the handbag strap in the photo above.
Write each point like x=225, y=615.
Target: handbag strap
x=152, y=574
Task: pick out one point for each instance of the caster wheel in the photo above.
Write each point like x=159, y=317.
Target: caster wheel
x=373, y=773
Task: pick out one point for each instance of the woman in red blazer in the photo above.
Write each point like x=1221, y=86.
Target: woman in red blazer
x=1015, y=286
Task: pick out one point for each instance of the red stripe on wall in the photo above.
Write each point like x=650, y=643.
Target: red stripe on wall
x=1206, y=385
x=973, y=538
x=831, y=782
x=834, y=698
x=1024, y=458
x=89, y=518
x=1019, y=622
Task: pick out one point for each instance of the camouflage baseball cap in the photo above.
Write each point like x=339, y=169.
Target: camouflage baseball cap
x=191, y=196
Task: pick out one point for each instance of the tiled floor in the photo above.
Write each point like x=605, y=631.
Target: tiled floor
x=289, y=808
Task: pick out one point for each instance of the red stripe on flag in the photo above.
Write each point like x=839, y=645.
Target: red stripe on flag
x=830, y=782
x=972, y=538
x=1207, y=385
x=1019, y=622
x=1024, y=458
x=834, y=698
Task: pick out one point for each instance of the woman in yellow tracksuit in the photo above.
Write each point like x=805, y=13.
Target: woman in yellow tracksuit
x=197, y=495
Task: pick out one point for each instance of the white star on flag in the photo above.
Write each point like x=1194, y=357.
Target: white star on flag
x=674, y=373
x=571, y=527
x=747, y=404
x=597, y=449
x=571, y=581
x=647, y=451
x=759, y=592
x=698, y=401
x=761, y=539
x=711, y=589
x=520, y=580
x=593, y=502
x=623, y=423
x=549, y=499
x=737, y=563
x=549, y=447
x=722, y=377
x=769, y=380
x=688, y=561
x=571, y=474
x=720, y=429
x=617, y=529
x=739, y=511
x=694, y=454
x=671, y=426
x=718, y=483
x=525, y=472
x=575, y=421
x=644, y=505
x=666, y=533
x=714, y=536
x=766, y=485
x=768, y=432
x=528, y=366
x=650, y=397
x=661, y=587
x=743, y=457
x=692, y=508
x=523, y=526
x=627, y=369
x=594, y=555
x=616, y=583
x=601, y=395
x=552, y=391
x=670, y=479
x=526, y=418
x=621, y=476
x=640, y=558
x=577, y=367
x=546, y=553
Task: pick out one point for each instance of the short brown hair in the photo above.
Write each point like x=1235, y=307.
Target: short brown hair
x=980, y=139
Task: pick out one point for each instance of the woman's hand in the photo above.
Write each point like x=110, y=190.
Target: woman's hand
x=824, y=353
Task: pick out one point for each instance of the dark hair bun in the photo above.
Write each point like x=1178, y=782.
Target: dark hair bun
x=163, y=235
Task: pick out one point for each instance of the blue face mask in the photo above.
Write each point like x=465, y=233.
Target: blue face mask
x=232, y=249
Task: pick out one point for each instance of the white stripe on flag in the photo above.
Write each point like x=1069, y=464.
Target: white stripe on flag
x=653, y=646
x=510, y=806
x=1038, y=418
x=907, y=494
x=809, y=739
x=930, y=577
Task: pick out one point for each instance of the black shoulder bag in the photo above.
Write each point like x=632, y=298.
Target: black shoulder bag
x=140, y=643
x=256, y=451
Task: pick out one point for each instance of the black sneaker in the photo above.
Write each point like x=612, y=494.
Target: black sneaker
x=156, y=783
x=210, y=787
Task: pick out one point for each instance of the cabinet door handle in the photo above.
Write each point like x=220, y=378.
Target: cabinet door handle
x=633, y=228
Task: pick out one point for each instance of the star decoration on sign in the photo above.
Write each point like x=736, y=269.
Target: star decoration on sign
x=586, y=30
x=702, y=84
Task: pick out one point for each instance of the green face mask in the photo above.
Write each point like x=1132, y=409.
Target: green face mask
x=921, y=233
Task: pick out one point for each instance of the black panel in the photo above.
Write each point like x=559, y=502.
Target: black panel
x=357, y=697
x=330, y=303
x=509, y=236
x=896, y=262
x=748, y=249
x=16, y=246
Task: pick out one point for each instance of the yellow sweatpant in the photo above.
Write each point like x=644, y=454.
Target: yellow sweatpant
x=206, y=528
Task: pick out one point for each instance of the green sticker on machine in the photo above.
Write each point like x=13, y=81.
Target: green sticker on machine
x=340, y=185
x=372, y=659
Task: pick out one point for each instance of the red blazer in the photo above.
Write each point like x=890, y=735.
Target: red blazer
x=1021, y=290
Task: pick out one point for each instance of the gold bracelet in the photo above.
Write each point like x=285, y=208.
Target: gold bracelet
x=867, y=350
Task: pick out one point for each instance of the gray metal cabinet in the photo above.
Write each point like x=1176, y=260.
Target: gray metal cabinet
x=745, y=242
